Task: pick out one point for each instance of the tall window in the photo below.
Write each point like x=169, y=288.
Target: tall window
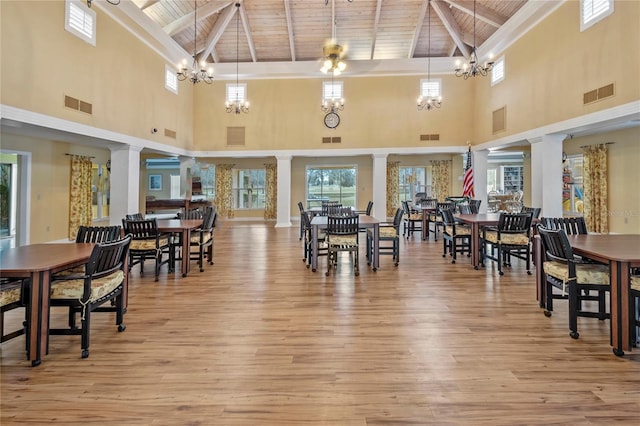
x=332, y=90
x=248, y=189
x=414, y=180
x=430, y=88
x=332, y=184
x=236, y=92
x=497, y=73
x=207, y=174
x=492, y=180
x=80, y=21
x=572, y=188
x=100, y=192
x=170, y=79
x=593, y=11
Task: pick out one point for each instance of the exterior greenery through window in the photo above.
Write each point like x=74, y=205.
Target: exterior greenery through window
x=414, y=180
x=207, y=174
x=332, y=183
x=248, y=189
x=100, y=192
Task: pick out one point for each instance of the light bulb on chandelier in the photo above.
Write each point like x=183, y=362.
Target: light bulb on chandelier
x=472, y=68
x=199, y=71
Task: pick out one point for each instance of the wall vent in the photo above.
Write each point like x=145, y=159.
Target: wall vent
x=500, y=119
x=78, y=105
x=598, y=94
x=431, y=137
x=170, y=133
x=326, y=140
x=235, y=136
x=336, y=139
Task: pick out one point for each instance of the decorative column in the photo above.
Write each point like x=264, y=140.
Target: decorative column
x=379, y=186
x=283, y=216
x=186, y=171
x=125, y=183
x=546, y=174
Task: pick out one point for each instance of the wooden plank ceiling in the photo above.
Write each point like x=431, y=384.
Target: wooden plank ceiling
x=296, y=30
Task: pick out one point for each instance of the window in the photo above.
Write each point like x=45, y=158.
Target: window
x=248, y=189
x=414, y=180
x=332, y=90
x=497, y=73
x=170, y=79
x=80, y=21
x=236, y=92
x=331, y=184
x=207, y=174
x=100, y=192
x=572, y=188
x=593, y=11
x=492, y=180
x=430, y=88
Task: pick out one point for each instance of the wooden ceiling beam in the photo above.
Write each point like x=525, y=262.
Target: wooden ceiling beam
x=220, y=26
x=375, y=28
x=451, y=26
x=292, y=46
x=483, y=13
x=418, y=29
x=186, y=21
x=148, y=3
x=247, y=33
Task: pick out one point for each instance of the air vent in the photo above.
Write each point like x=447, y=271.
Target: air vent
x=336, y=139
x=326, y=140
x=235, y=136
x=431, y=137
x=78, y=105
x=598, y=94
x=170, y=133
x=500, y=120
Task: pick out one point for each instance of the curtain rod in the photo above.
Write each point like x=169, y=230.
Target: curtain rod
x=90, y=156
x=606, y=143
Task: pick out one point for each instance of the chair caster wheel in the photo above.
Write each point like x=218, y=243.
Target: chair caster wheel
x=618, y=352
x=326, y=274
x=574, y=334
x=375, y=269
x=547, y=314
x=121, y=327
x=501, y=273
x=528, y=272
x=395, y=264
x=357, y=274
x=453, y=261
x=313, y=270
x=475, y=267
x=85, y=353
x=444, y=255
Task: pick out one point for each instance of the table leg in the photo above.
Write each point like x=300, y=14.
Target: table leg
x=186, y=251
x=541, y=287
x=314, y=245
x=619, y=275
x=38, y=332
x=425, y=229
x=475, y=243
x=376, y=246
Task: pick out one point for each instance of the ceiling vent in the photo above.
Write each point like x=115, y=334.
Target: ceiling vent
x=431, y=137
x=598, y=94
x=170, y=133
x=500, y=120
x=335, y=139
x=235, y=136
x=78, y=105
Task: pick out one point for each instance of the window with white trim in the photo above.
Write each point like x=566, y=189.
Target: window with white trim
x=332, y=90
x=497, y=73
x=430, y=88
x=593, y=11
x=80, y=21
x=236, y=92
x=170, y=79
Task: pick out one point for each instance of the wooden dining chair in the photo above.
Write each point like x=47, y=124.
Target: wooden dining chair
x=103, y=281
x=202, y=238
x=388, y=239
x=634, y=310
x=12, y=296
x=147, y=242
x=456, y=237
x=511, y=238
x=308, y=247
x=302, y=212
x=412, y=220
x=342, y=236
x=572, y=277
x=435, y=218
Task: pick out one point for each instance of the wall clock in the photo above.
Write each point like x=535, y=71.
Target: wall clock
x=331, y=120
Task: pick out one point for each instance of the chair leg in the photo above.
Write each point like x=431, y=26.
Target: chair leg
x=86, y=329
x=573, y=310
x=120, y=313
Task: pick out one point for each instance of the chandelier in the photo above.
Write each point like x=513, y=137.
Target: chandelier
x=113, y=2
x=238, y=104
x=198, y=71
x=332, y=61
x=429, y=102
x=472, y=68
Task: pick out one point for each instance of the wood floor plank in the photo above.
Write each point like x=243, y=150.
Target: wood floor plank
x=259, y=339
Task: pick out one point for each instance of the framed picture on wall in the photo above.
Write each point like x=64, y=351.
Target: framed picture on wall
x=155, y=182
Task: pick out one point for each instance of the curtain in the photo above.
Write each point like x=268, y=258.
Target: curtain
x=441, y=177
x=596, y=197
x=271, y=191
x=393, y=190
x=80, y=209
x=224, y=190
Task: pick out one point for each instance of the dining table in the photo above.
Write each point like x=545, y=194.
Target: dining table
x=37, y=263
x=621, y=252
x=426, y=211
x=184, y=227
x=365, y=221
x=476, y=221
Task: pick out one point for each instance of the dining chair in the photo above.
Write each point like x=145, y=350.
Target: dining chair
x=412, y=220
x=103, y=281
x=475, y=206
x=202, y=238
x=12, y=296
x=569, y=273
x=535, y=211
x=388, y=239
x=511, y=237
x=571, y=225
x=342, y=236
x=327, y=204
x=134, y=216
x=320, y=248
x=465, y=209
x=302, y=212
x=147, y=242
x=456, y=237
x=634, y=310
x=435, y=218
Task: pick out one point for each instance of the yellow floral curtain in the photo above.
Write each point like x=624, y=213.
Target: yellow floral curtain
x=224, y=190
x=596, y=197
x=393, y=187
x=271, y=191
x=80, y=212
x=440, y=178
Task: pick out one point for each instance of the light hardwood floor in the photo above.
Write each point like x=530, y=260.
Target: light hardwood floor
x=258, y=339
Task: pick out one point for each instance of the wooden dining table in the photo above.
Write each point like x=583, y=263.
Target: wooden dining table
x=37, y=262
x=320, y=222
x=621, y=253
x=184, y=227
x=476, y=221
x=426, y=211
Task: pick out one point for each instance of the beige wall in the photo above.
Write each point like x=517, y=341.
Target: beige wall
x=623, y=176
x=120, y=76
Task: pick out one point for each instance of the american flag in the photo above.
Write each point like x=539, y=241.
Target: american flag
x=467, y=185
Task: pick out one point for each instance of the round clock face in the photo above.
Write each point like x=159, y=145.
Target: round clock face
x=331, y=120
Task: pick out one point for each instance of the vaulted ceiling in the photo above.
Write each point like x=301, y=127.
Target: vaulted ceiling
x=295, y=30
